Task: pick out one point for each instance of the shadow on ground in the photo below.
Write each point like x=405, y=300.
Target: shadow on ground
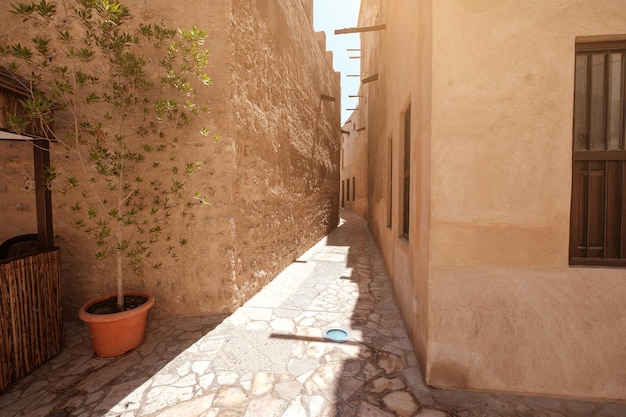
x=75, y=379
x=385, y=380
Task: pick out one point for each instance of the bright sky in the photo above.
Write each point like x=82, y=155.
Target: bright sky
x=329, y=15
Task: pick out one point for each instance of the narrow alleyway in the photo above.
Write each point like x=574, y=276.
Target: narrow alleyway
x=270, y=358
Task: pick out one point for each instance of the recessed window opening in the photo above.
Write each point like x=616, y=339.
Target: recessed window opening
x=598, y=210
x=406, y=170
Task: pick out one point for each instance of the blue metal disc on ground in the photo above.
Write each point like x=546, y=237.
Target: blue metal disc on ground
x=336, y=335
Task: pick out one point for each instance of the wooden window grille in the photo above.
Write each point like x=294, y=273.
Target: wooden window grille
x=598, y=210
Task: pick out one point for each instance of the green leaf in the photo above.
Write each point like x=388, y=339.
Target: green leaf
x=23, y=9
x=21, y=52
x=65, y=36
x=45, y=9
x=123, y=246
x=42, y=45
x=92, y=98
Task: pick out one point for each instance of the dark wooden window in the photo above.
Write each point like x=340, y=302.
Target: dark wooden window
x=406, y=186
x=390, y=184
x=348, y=189
x=598, y=212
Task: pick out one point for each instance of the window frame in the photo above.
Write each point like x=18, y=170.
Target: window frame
x=598, y=175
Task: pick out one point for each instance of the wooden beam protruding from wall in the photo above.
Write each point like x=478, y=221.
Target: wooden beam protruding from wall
x=360, y=29
x=369, y=79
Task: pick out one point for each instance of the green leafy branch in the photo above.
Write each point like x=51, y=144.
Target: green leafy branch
x=88, y=70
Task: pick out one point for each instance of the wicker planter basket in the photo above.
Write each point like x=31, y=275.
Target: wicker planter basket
x=31, y=322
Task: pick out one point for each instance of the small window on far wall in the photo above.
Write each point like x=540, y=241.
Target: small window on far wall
x=406, y=186
x=390, y=183
x=598, y=211
x=348, y=189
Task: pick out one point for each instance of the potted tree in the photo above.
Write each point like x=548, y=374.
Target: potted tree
x=121, y=96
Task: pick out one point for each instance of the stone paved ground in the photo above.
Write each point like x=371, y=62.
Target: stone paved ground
x=270, y=358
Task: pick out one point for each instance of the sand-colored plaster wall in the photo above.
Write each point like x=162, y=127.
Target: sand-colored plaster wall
x=354, y=167
x=400, y=56
x=272, y=180
x=557, y=333
x=506, y=311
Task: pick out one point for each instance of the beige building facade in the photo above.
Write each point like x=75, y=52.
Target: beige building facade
x=471, y=167
x=353, y=166
x=271, y=181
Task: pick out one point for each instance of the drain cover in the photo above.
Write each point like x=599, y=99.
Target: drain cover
x=336, y=335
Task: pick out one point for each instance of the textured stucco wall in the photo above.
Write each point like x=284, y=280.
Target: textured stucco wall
x=17, y=190
x=272, y=180
x=507, y=313
x=287, y=139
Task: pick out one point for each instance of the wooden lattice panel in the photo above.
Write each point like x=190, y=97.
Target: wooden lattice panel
x=31, y=324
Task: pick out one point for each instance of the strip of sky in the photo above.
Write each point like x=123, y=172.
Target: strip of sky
x=329, y=15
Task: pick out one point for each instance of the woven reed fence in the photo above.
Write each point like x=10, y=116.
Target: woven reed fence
x=31, y=324
x=12, y=89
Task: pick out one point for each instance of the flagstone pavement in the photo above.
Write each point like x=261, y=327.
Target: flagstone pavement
x=271, y=357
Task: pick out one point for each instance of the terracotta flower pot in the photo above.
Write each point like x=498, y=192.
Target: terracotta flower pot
x=117, y=333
